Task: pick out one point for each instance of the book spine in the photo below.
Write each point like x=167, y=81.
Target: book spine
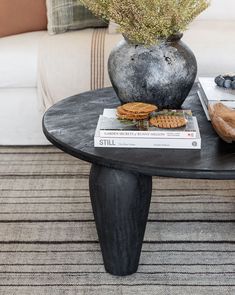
x=204, y=106
x=147, y=143
x=148, y=134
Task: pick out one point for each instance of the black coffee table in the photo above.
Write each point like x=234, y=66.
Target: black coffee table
x=121, y=179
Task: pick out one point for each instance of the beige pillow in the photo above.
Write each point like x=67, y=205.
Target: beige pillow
x=113, y=28
x=65, y=15
x=20, y=16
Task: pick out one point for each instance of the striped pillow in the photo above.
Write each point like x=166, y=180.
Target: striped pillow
x=65, y=15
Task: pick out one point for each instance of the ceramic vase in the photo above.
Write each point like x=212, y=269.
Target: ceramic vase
x=162, y=74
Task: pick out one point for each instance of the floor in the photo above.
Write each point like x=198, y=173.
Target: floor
x=48, y=241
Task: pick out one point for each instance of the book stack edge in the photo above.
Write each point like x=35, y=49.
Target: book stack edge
x=111, y=133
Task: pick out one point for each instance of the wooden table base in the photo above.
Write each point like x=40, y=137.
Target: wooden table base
x=120, y=202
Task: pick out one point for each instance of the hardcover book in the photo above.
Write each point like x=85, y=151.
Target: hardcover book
x=211, y=93
x=110, y=126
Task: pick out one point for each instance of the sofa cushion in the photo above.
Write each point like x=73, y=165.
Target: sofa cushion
x=20, y=119
x=82, y=55
x=65, y=15
x=20, y=16
x=18, y=60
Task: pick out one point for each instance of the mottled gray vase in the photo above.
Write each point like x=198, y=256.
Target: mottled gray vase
x=162, y=74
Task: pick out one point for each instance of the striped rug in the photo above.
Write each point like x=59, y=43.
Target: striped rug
x=48, y=241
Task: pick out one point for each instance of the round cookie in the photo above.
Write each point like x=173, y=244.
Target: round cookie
x=168, y=122
x=122, y=111
x=139, y=107
x=122, y=114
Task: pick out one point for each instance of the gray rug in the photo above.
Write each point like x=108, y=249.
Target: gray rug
x=48, y=241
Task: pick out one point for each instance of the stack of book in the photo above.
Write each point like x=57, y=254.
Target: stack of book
x=210, y=93
x=113, y=132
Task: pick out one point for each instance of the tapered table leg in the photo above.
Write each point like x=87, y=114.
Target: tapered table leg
x=120, y=202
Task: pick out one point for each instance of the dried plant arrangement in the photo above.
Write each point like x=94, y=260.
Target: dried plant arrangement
x=145, y=21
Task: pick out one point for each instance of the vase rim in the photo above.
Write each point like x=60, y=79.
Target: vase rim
x=171, y=38
x=174, y=37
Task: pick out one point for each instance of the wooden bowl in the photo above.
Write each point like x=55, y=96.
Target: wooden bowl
x=223, y=121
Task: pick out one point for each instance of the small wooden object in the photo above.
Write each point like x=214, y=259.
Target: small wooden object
x=223, y=121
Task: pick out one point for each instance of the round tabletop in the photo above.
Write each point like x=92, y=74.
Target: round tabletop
x=70, y=125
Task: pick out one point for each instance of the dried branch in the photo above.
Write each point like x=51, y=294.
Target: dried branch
x=145, y=21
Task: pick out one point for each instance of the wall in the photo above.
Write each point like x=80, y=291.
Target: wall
x=219, y=10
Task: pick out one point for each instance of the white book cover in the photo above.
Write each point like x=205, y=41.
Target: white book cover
x=110, y=126
x=130, y=142
x=215, y=93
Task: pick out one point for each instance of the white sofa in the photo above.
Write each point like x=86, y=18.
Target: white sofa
x=211, y=37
